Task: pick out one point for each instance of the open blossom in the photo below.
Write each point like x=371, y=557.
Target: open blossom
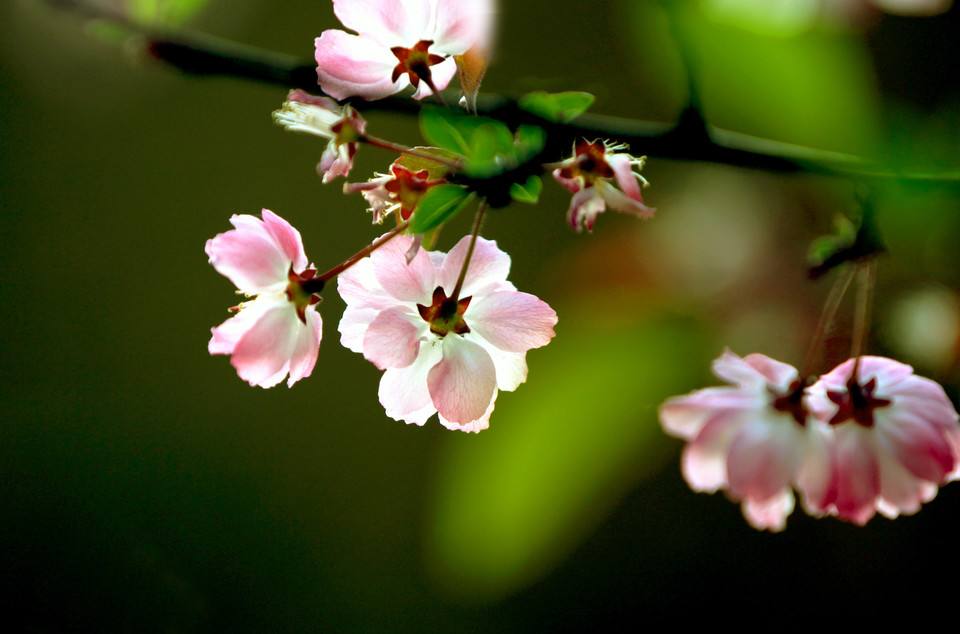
x=442, y=354
x=399, y=191
x=599, y=175
x=399, y=43
x=323, y=117
x=754, y=439
x=895, y=438
x=277, y=332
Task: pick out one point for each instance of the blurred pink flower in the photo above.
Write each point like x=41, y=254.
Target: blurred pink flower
x=399, y=43
x=754, y=439
x=590, y=175
x=440, y=354
x=278, y=332
x=895, y=438
x=323, y=117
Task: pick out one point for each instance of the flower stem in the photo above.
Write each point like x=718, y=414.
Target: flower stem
x=861, y=324
x=827, y=317
x=475, y=233
x=409, y=151
x=364, y=252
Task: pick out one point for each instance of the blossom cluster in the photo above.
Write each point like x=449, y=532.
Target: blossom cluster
x=449, y=331
x=868, y=437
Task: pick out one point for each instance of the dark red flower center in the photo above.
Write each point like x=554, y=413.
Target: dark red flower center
x=857, y=403
x=415, y=62
x=590, y=162
x=791, y=401
x=408, y=187
x=445, y=314
x=304, y=290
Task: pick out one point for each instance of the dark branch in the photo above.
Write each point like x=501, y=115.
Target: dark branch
x=689, y=139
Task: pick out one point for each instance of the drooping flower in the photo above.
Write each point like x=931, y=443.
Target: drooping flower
x=896, y=438
x=277, y=332
x=590, y=175
x=399, y=191
x=442, y=354
x=754, y=439
x=399, y=43
x=323, y=117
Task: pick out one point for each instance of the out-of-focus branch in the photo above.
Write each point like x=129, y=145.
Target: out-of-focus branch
x=689, y=139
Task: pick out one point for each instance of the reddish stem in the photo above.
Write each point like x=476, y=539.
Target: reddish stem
x=364, y=252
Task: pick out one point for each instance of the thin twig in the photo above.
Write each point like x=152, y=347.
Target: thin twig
x=830, y=307
x=364, y=252
x=474, y=234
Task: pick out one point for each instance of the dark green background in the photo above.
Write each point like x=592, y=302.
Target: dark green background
x=143, y=487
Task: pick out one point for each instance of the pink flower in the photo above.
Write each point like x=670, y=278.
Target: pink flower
x=441, y=354
x=323, y=117
x=399, y=43
x=590, y=175
x=278, y=331
x=754, y=439
x=896, y=438
x=399, y=191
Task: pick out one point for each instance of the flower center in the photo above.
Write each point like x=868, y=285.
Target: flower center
x=791, y=402
x=304, y=290
x=415, y=62
x=407, y=188
x=445, y=314
x=857, y=403
x=590, y=163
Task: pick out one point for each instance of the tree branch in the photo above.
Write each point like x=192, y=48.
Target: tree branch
x=689, y=139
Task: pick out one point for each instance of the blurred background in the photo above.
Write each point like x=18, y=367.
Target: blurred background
x=145, y=488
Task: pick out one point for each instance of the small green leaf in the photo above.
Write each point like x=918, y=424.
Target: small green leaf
x=560, y=107
x=528, y=193
x=435, y=170
x=439, y=204
x=491, y=149
x=530, y=141
x=449, y=129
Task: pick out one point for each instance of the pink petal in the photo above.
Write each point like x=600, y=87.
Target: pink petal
x=626, y=179
x=441, y=74
x=488, y=270
x=857, y=473
x=307, y=347
x=763, y=457
x=410, y=282
x=704, y=462
x=474, y=426
x=816, y=477
x=225, y=336
x=403, y=391
x=354, y=66
x=585, y=206
x=770, y=514
x=464, y=382
x=386, y=21
x=776, y=373
x=287, y=238
x=916, y=444
x=512, y=321
x=618, y=201
x=511, y=366
x=685, y=416
x=334, y=163
x=359, y=288
x=573, y=185
x=392, y=340
x=249, y=256
x=901, y=492
x=461, y=26
x=353, y=327
x=733, y=369
x=262, y=357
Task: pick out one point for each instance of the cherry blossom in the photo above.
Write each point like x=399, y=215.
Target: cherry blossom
x=323, y=117
x=399, y=43
x=590, y=175
x=896, y=438
x=754, y=439
x=399, y=191
x=278, y=331
x=439, y=353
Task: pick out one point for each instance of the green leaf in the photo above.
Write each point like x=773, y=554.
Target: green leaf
x=164, y=12
x=435, y=169
x=438, y=205
x=491, y=149
x=530, y=141
x=513, y=501
x=528, y=193
x=560, y=107
x=449, y=129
